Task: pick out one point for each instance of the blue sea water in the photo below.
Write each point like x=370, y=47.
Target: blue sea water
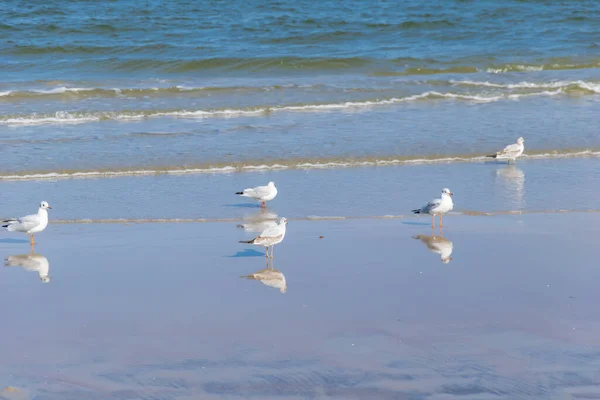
x=206, y=85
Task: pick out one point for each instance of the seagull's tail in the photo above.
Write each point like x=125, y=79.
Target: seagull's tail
x=418, y=211
x=8, y=222
x=247, y=241
x=248, y=276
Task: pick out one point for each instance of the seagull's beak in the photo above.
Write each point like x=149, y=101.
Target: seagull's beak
x=451, y=194
x=49, y=207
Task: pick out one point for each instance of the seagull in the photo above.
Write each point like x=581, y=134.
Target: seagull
x=437, y=207
x=270, y=277
x=30, y=224
x=260, y=193
x=439, y=245
x=510, y=152
x=270, y=237
x=30, y=262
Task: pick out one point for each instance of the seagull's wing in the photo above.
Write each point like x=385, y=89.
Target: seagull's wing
x=262, y=191
x=25, y=223
x=431, y=205
x=272, y=231
x=267, y=240
x=511, y=150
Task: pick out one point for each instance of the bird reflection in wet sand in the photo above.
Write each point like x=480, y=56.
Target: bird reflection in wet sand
x=30, y=262
x=270, y=237
x=438, y=245
x=270, y=277
x=259, y=222
x=512, y=179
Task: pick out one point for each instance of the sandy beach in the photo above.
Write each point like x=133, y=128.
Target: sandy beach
x=159, y=310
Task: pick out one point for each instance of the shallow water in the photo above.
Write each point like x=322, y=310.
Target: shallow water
x=160, y=311
x=569, y=184
x=182, y=84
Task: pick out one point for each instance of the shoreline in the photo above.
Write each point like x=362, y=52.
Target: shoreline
x=294, y=164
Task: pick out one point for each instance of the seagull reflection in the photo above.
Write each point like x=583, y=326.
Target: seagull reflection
x=270, y=277
x=30, y=262
x=513, y=181
x=259, y=222
x=438, y=245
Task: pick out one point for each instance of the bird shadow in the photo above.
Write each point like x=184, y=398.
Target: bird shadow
x=12, y=241
x=247, y=253
x=416, y=223
x=242, y=205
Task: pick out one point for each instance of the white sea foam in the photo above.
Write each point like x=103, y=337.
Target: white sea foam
x=278, y=166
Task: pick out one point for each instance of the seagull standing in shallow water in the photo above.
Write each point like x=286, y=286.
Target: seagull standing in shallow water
x=270, y=237
x=437, y=207
x=260, y=193
x=30, y=224
x=510, y=152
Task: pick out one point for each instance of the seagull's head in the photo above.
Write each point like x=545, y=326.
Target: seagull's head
x=447, y=191
x=283, y=221
x=446, y=260
x=520, y=140
x=283, y=289
x=271, y=184
x=45, y=278
x=45, y=205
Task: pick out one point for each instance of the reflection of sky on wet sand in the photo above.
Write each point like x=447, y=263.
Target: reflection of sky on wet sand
x=515, y=316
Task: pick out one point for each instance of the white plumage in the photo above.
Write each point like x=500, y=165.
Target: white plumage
x=30, y=224
x=437, y=206
x=511, y=152
x=260, y=193
x=270, y=237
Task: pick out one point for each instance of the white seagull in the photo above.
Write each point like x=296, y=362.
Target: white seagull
x=270, y=237
x=270, y=277
x=31, y=262
x=260, y=193
x=437, y=207
x=30, y=224
x=438, y=245
x=510, y=152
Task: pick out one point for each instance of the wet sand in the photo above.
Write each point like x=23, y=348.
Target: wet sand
x=530, y=185
x=160, y=311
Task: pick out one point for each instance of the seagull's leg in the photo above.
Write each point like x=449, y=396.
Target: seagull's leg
x=272, y=248
x=263, y=205
x=441, y=221
x=31, y=240
x=432, y=221
x=267, y=253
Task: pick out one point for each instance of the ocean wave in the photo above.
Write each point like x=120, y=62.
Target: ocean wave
x=66, y=117
x=137, y=92
x=284, y=165
x=591, y=87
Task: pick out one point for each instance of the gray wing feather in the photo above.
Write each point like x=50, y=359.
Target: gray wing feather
x=431, y=205
x=510, y=150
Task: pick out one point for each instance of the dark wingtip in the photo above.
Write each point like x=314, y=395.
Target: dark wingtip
x=239, y=192
x=492, y=155
x=5, y=226
x=416, y=211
